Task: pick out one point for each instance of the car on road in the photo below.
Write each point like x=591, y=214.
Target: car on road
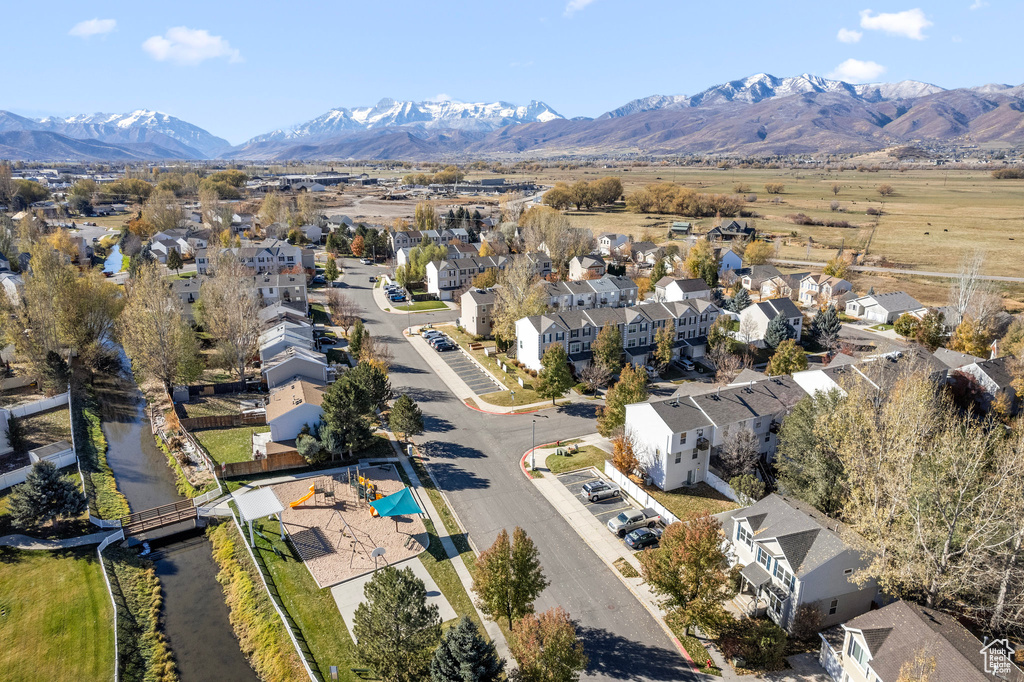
x=318, y=279
x=366, y=261
x=632, y=519
x=600, y=490
x=686, y=363
x=373, y=278
x=642, y=538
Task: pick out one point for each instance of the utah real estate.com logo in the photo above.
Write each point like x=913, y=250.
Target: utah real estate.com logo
x=997, y=657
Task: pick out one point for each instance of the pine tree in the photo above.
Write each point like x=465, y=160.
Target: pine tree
x=465, y=656
x=827, y=329
x=355, y=340
x=817, y=322
x=396, y=629
x=659, y=271
x=554, y=378
x=740, y=301
x=331, y=270
x=630, y=388
x=406, y=417
x=509, y=577
x=174, y=261
x=44, y=496
x=778, y=330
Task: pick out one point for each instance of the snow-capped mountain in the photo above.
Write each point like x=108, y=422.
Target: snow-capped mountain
x=140, y=126
x=389, y=113
x=763, y=86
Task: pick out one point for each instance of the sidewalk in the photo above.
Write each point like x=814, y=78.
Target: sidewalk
x=19, y=541
x=609, y=548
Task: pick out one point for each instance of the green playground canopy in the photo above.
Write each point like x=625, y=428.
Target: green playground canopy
x=401, y=503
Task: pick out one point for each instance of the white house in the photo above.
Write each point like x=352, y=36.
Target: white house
x=285, y=335
x=680, y=436
x=13, y=286
x=586, y=267
x=313, y=233
x=446, y=277
x=884, y=308
x=672, y=289
x=609, y=291
x=995, y=378
x=878, y=646
x=819, y=288
x=610, y=243
x=295, y=362
x=793, y=555
x=755, y=318
x=292, y=406
x=280, y=311
x=286, y=288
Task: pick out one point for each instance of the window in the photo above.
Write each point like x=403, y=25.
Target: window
x=682, y=438
x=679, y=457
x=757, y=424
x=694, y=454
x=857, y=653
x=848, y=571
x=632, y=329
x=833, y=607
x=784, y=576
x=768, y=437
x=700, y=433
x=764, y=558
x=574, y=348
x=559, y=336
x=631, y=344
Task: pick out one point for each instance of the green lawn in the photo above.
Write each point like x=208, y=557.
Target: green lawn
x=320, y=315
x=229, y=445
x=44, y=428
x=422, y=305
x=67, y=528
x=58, y=622
x=524, y=395
x=881, y=327
x=588, y=456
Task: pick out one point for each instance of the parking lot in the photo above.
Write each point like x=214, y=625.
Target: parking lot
x=602, y=509
x=468, y=371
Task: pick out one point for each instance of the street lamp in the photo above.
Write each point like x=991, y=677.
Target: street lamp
x=533, y=450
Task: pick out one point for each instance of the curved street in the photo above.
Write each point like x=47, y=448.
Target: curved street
x=475, y=458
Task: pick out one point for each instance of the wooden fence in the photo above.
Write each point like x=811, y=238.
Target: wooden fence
x=273, y=462
x=224, y=421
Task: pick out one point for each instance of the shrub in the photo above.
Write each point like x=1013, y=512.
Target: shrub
x=906, y=325
x=748, y=485
x=1008, y=174
x=834, y=206
x=774, y=187
x=759, y=642
x=807, y=621
x=873, y=211
x=581, y=388
x=885, y=190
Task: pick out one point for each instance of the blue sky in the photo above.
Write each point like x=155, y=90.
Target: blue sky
x=239, y=69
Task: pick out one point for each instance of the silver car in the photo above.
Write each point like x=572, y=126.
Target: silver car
x=600, y=490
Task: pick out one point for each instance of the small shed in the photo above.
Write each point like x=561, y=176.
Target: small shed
x=259, y=504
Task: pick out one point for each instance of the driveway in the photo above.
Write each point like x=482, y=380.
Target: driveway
x=475, y=458
x=467, y=370
x=803, y=668
x=603, y=510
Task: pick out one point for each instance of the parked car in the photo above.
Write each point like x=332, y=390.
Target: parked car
x=652, y=373
x=642, y=538
x=432, y=334
x=437, y=340
x=444, y=346
x=633, y=519
x=372, y=278
x=366, y=261
x=600, y=490
x=686, y=363
x=319, y=279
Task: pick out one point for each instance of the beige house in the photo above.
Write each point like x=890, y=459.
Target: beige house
x=477, y=311
x=824, y=289
x=292, y=406
x=586, y=267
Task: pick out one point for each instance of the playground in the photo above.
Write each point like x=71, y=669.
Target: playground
x=346, y=525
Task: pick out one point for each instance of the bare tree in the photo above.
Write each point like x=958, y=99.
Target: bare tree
x=727, y=364
x=748, y=327
x=519, y=294
x=966, y=286
x=376, y=351
x=344, y=310
x=229, y=307
x=511, y=204
x=739, y=454
x=595, y=376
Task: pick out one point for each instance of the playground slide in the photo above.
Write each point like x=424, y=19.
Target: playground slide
x=302, y=499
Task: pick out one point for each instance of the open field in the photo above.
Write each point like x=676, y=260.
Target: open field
x=58, y=620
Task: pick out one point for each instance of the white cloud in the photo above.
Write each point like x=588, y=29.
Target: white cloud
x=908, y=24
x=978, y=4
x=857, y=71
x=846, y=35
x=957, y=39
x=93, y=27
x=574, y=6
x=189, y=46
x=440, y=97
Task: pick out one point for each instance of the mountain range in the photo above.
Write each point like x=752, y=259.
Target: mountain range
x=761, y=114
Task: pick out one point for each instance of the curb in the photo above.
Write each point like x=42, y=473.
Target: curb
x=502, y=414
x=654, y=614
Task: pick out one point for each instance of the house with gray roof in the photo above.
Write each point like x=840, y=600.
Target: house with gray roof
x=754, y=319
x=682, y=436
x=875, y=647
x=995, y=379
x=884, y=308
x=585, y=267
x=681, y=289
x=610, y=242
x=610, y=291
x=793, y=555
x=477, y=315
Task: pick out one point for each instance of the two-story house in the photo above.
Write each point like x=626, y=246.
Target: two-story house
x=793, y=555
x=446, y=277
x=576, y=331
x=287, y=288
x=404, y=239
x=609, y=243
x=754, y=319
x=477, y=315
x=880, y=645
x=680, y=436
x=729, y=230
x=819, y=289
x=586, y=267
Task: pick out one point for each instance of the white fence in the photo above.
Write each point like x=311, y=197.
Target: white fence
x=638, y=493
x=722, y=487
x=62, y=400
x=18, y=476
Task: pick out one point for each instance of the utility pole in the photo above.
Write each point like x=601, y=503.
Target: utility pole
x=533, y=450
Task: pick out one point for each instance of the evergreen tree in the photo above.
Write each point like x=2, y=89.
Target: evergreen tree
x=465, y=656
x=630, y=388
x=348, y=409
x=355, y=340
x=174, y=261
x=778, y=330
x=406, y=418
x=396, y=629
x=331, y=270
x=740, y=301
x=554, y=378
x=659, y=271
x=827, y=329
x=607, y=348
x=816, y=323
x=509, y=577
x=44, y=496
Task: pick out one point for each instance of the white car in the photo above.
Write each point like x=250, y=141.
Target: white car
x=686, y=363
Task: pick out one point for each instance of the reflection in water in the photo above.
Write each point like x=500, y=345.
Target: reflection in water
x=195, y=615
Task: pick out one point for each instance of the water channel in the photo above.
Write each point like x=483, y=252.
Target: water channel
x=195, y=615
x=114, y=260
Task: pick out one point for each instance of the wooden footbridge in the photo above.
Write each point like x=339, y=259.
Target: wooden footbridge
x=158, y=517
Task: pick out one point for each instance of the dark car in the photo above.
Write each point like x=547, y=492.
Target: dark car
x=444, y=346
x=642, y=538
x=599, y=490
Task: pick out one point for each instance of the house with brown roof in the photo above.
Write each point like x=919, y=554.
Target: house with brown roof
x=292, y=406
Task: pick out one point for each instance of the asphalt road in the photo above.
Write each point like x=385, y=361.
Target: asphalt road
x=475, y=457
x=898, y=271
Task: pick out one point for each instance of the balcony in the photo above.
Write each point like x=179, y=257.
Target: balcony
x=703, y=443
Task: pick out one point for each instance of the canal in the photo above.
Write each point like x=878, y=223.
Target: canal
x=195, y=615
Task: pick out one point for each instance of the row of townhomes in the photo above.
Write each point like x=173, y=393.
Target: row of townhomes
x=576, y=330
x=446, y=278
x=268, y=256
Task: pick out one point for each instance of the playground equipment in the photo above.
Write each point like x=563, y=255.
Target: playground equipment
x=312, y=491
